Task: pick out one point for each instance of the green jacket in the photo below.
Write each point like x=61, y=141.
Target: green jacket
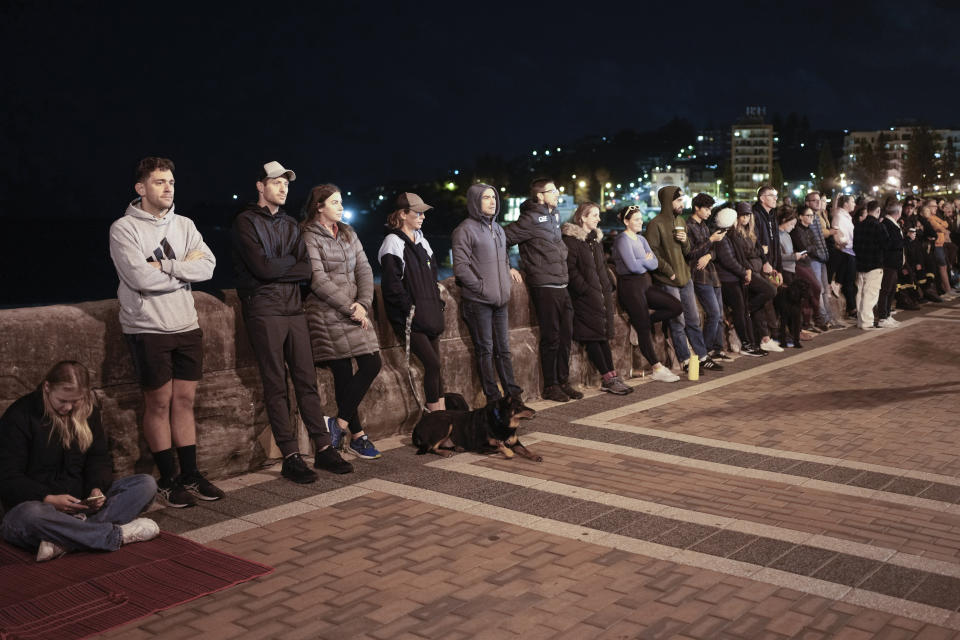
x=669, y=251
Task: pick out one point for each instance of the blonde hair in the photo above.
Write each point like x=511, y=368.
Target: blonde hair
x=73, y=376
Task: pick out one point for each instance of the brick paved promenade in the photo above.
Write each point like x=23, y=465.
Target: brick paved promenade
x=809, y=494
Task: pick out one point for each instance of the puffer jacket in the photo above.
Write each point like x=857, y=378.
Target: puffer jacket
x=341, y=276
x=409, y=277
x=480, y=262
x=543, y=254
x=590, y=286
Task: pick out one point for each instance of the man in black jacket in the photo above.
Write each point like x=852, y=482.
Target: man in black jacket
x=893, y=262
x=271, y=261
x=544, y=257
x=869, y=243
x=703, y=272
x=765, y=217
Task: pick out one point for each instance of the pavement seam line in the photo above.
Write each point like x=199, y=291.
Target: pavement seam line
x=818, y=540
x=685, y=557
x=756, y=474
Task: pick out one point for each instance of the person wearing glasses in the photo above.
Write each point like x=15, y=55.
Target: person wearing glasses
x=667, y=236
x=408, y=282
x=634, y=262
x=591, y=291
x=765, y=212
x=803, y=238
x=544, y=258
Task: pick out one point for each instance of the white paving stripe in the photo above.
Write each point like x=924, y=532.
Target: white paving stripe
x=463, y=463
x=767, y=451
x=822, y=588
x=756, y=474
x=257, y=519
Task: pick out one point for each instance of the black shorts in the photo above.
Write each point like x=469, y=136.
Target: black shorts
x=160, y=357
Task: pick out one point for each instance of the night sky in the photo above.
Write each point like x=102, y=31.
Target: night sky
x=359, y=93
x=367, y=93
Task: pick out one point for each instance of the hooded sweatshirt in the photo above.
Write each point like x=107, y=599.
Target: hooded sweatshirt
x=542, y=251
x=157, y=300
x=669, y=251
x=480, y=262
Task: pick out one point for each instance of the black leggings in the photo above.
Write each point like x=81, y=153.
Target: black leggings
x=349, y=387
x=598, y=351
x=428, y=352
x=638, y=298
x=733, y=296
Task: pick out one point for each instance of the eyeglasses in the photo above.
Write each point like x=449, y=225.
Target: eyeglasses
x=551, y=191
x=772, y=194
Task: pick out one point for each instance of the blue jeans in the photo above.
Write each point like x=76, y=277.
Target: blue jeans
x=820, y=271
x=686, y=326
x=29, y=523
x=712, y=302
x=490, y=333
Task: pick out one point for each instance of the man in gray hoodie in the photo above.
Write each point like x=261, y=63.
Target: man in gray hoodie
x=158, y=255
x=482, y=270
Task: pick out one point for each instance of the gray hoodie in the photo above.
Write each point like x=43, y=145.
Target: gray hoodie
x=480, y=262
x=157, y=300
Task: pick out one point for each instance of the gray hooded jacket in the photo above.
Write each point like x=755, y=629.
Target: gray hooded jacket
x=480, y=262
x=157, y=300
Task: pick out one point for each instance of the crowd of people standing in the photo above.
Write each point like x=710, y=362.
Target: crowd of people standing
x=306, y=290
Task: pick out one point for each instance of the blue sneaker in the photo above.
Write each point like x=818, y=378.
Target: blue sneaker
x=363, y=448
x=336, y=434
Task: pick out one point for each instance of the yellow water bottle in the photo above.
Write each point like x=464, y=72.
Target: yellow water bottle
x=693, y=369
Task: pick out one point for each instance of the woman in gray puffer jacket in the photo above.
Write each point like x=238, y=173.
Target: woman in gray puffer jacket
x=338, y=312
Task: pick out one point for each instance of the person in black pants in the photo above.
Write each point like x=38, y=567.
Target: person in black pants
x=409, y=283
x=634, y=261
x=591, y=291
x=338, y=312
x=544, y=258
x=271, y=262
x=893, y=262
x=736, y=278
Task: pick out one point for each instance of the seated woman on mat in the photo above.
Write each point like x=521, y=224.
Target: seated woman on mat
x=56, y=480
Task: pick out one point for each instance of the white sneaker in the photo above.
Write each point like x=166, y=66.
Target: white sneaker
x=662, y=374
x=139, y=530
x=49, y=551
x=771, y=345
x=888, y=323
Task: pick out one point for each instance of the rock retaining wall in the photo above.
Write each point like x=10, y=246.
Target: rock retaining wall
x=232, y=429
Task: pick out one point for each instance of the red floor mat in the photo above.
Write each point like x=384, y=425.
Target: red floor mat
x=82, y=594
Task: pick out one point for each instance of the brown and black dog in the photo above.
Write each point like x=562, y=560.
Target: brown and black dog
x=492, y=428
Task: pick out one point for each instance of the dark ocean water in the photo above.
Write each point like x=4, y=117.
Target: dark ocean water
x=44, y=261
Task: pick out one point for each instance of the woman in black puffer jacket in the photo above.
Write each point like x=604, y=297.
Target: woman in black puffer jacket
x=591, y=291
x=409, y=281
